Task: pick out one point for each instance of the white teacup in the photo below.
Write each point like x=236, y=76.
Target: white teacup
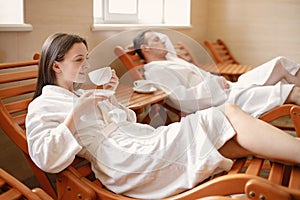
x=100, y=76
x=143, y=84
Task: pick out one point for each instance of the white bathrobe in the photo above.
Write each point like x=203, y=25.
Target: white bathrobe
x=129, y=158
x=191, y=88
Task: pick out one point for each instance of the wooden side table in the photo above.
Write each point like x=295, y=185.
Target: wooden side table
x=139, y=101
x=230, y=71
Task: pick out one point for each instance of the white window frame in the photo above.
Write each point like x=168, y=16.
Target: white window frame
x=121, y=21
x=120, y=17
x=14, y=24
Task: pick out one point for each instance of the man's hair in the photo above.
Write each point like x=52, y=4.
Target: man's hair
x=138, y=41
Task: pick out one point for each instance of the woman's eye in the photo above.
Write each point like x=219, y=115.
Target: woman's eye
x=79, y=59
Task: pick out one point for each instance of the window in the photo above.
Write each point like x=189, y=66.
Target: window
x=116, y=12
x=12, y=16
x=141, y=12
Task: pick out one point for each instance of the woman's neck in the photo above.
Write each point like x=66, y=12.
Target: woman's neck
x=64, y=84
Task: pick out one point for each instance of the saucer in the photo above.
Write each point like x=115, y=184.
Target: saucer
x=148, y=90
x=143, y=83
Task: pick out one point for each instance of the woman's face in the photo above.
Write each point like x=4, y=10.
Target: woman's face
x=74, y=67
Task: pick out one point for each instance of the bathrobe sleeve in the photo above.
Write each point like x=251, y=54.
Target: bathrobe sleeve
x=189, y=89
x=51, y=145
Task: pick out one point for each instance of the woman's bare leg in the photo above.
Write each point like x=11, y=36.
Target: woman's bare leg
x=261, y=138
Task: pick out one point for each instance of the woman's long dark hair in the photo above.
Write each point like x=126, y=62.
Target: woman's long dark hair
x=54, y=49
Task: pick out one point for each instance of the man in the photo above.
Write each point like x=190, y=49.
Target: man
x=191, y=88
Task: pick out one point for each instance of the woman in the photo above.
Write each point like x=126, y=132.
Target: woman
x=129, y=158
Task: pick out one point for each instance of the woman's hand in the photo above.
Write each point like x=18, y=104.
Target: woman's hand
x=86, y=104
x=113, y=83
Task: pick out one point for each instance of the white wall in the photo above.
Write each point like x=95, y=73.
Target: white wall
x=256, y=30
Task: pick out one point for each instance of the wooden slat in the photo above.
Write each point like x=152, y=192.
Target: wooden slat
x=295, y=178
x=218, y=47
x=85, y=170
x=276, y=173
x=18, y=106
x=20, y=119
x=254, y=166
x=17, y=90
x=18, y=64
x=233, y=69
x=18, y=75
x=2, y=182
x=226, y=57
x=11, y=194
x=237, y=166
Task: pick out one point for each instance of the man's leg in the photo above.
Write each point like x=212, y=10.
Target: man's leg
x=284, y=69
x=294, y=96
